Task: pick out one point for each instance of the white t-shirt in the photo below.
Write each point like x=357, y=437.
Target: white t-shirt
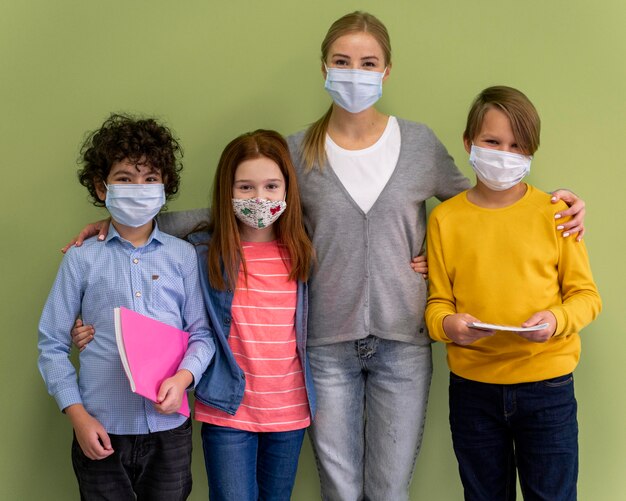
x=364, y=173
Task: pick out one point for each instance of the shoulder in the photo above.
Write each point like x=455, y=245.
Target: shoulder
x=88, y=251
x=541, y=201
x=453, y=205
x=409, y=129
x=199, y=238
x=295, y=140
x=174, y=243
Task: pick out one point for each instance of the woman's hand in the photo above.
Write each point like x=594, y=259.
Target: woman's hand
x=100, y=228
x=420, y=265
x=576, y=210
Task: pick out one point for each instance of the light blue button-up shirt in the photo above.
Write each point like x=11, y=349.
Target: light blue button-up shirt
x=159, y=279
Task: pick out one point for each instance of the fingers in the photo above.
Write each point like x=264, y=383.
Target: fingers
x=569, y=197
x=577, y=211
x=71, y=243
x=81, y=334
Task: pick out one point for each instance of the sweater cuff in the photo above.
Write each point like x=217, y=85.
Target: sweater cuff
x=559, y=314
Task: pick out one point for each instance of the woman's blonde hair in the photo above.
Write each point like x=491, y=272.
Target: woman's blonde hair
x=225, y=246
x=313, y=146
x=525, y=122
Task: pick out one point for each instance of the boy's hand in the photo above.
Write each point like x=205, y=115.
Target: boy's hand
x=171, y=392
x=576, y=209
x=100, y=228
x=82, y=335
x=91, y=435
x=455, y=327
x=541, y=317
x=420, y=265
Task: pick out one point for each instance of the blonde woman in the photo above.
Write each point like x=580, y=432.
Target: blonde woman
x=364, y=179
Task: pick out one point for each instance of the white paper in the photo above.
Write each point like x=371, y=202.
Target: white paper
x=511, y=328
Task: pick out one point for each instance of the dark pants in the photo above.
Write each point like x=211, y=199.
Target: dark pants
x=151, y=467
x=529, y=426
x=248, y=466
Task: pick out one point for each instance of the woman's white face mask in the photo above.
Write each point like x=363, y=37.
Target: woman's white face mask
x=354, y=90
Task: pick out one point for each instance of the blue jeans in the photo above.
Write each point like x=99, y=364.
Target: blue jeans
x=529, y=426
x=248, y=466
x=150, y=467
x=371, y=405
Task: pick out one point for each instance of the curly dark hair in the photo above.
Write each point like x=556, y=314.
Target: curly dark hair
x=141, y=141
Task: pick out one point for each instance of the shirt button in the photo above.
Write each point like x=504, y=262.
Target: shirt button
x=227, y=320
x=137, y=294
x=135, y=260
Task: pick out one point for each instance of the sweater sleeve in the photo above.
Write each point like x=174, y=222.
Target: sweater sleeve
x=181, y=223
x=450, y=180
x=581, y=301
x=441, y=301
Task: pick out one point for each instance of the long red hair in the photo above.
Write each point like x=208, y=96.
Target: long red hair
x=225, y=247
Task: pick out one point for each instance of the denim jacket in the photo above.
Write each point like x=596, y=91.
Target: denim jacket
x=222, y=384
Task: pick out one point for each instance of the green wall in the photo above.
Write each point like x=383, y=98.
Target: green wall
x=215, y=69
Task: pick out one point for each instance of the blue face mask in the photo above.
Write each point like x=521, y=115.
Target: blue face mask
x=134, y=204
x=354, y=90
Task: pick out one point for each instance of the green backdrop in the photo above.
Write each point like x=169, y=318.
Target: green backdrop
x=213, y=69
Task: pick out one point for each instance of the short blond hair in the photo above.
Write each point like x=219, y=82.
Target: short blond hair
x=522, y=114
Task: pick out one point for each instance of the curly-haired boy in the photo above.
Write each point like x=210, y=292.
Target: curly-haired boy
x=126, y=446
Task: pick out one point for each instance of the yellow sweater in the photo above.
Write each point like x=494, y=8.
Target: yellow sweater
x=501, y=266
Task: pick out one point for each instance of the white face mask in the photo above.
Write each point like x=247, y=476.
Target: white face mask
x=258, y=212
x=354, y=90
x=134, y=204
x=499, y=170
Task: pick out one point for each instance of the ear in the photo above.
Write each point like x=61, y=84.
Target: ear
x=324, y=70
x=468, y=144
x=100, y=189
x=387, y=72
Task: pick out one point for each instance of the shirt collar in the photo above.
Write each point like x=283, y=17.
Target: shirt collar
x=156, y=235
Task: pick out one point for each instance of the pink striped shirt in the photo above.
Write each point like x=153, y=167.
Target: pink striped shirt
x=263, y=340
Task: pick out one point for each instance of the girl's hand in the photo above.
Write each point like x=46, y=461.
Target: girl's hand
x=455, y=327
x=542, y=317
x=82, y=335
x=420, y=265
x=576, y=209
x=171, y=392
x=100, y=228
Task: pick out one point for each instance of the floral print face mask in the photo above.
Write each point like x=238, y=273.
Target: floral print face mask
x=258, y=212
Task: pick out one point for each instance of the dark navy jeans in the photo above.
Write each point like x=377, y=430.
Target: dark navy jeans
x=150, y=467
x=529, y=427
x=248, y=466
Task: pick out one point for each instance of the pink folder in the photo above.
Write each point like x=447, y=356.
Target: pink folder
x=151, y=351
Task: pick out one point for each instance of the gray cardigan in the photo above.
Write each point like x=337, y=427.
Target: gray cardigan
x=363, y=283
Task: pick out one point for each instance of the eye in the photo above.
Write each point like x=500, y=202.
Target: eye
x=122, y=179
x=272, y=186
x=369, y=65
x=153, y=179
x=340, y=62
x=243, y=187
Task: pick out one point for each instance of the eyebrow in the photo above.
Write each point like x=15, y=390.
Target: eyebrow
x=276, y=180
x=128, y=172
x=338, y=54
